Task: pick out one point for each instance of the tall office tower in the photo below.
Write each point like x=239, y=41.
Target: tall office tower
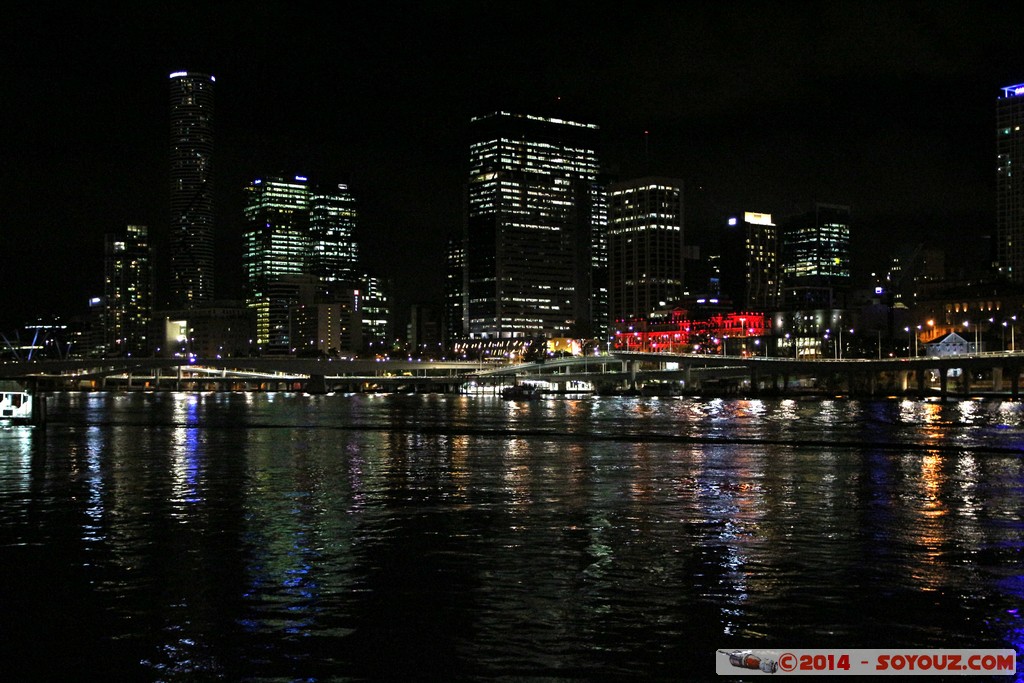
x=298, y=248
x=646, y=246
x=376, y=310
x=535, y=229
x=190, y=243
x=333, y=253
x=454, y=286
x=275, y=257
x=1010, y=194
x=749, y=263
x=815, y=259
x=127, y=292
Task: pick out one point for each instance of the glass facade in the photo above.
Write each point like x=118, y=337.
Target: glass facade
x=646, y=250
x=816, y=247
x=299, y=248
x=535, y=232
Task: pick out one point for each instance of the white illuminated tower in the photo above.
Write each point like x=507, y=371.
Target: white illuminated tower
x=1010, y=183
x=191, y=244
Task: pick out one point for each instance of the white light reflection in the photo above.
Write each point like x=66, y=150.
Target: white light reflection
x=96, y=446
x=185, y=458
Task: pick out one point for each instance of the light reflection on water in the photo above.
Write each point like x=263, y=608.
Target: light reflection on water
x=281, y=536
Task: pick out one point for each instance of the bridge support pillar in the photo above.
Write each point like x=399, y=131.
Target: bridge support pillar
x=965, y=381
x=997, y=379
x=1014, y=382
x=38, y=404
x=920, y=382
x=754, y=381
x=316, y=384
x=943, y=383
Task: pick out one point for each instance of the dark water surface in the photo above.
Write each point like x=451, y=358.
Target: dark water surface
x=288, y=537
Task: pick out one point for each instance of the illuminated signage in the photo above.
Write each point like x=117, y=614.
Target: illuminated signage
x=732, y=221
x=758, y=218
x=1013, y=90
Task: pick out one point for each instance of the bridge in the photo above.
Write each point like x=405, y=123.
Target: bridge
x=617, y=371
x=967, y=374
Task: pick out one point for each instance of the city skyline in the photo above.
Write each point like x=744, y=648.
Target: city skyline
x=887, y=109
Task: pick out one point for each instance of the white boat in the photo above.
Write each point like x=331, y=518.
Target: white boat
x=15, y=407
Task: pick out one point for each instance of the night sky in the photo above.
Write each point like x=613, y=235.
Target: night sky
x=760, y=106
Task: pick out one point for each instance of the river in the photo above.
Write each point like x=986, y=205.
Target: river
x=286, y=537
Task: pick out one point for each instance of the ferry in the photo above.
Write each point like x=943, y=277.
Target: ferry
x=15, y=407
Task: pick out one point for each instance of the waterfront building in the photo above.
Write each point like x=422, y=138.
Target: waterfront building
x=749, y=261
x=191, y=239
x=815, y=260
x=220, y=329
x=696, y=328
x=328, y=329
x=127, y=304
x=1009, y=189
x=535, y=230
x=425, y=331
x=646, y=247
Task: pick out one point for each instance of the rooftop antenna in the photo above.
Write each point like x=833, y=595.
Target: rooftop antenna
x=647, y=151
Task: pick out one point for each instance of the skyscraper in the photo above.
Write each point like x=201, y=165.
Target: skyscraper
x=333, y=254
x=815, y=259
x=646, y=249
x=127, y=292
x=191, y=245
x=535, y=230
x=749, y=261
x=276, y=253
x=1010, y=188
x=298, y=244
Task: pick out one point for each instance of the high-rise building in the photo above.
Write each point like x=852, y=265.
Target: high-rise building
x=815, y=259
x=454, y=286
x=275, y=256
x=127, y=304
x=191, y=239
x=749, y=261
x=333, y=255
x=375, y=307
x=646, y=247
x=298, y=250
x=1010, y=188
x=535, y=230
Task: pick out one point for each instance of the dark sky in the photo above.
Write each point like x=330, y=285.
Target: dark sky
x=762, y=106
